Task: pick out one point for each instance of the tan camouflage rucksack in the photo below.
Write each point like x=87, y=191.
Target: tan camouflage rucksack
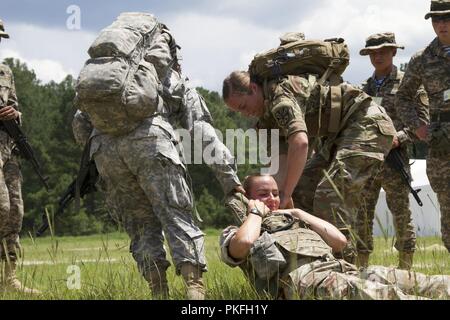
x=299, y=57
x=117, y=87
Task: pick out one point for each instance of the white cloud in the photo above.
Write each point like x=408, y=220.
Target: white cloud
x=51, y=53
x=226, y=37
x=46, y=70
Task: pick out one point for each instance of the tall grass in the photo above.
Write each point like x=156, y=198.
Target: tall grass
x=108, y=271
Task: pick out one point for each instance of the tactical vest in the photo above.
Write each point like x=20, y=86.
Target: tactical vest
x=290, y=236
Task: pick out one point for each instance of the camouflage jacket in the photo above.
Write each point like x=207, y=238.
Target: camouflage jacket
x=431, y=68
x=294, y=104
x=184, y=108
x=385, y=96
x=7, y=88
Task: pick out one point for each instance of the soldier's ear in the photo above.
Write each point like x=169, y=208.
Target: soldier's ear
x=394, y=52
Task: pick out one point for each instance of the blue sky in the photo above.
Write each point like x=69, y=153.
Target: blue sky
x=216, y=36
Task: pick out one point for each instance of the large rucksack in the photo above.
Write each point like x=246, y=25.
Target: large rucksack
x=117, y=87
x=326, y=60
x=321, y=58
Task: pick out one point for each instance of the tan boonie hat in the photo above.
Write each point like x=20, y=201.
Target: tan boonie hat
x=3, y=34
x=379, y=40
x=439, y=8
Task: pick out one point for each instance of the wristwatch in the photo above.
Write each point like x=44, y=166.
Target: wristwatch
x=256, y=211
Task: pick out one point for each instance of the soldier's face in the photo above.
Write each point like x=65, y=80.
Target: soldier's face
x=382, y=58
x=265, y=189
x=441, y=26
x=250, y=104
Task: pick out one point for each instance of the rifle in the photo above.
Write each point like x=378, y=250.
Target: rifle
x=25, y=149
x=395, y=161
x=82, y=185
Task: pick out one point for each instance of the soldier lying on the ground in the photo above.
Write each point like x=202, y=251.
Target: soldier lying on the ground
x=288, y=254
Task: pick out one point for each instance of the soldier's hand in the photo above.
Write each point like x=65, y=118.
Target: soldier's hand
x=422, y=132
x=286, y=202
x=395, y=143
x=259, y=206
x=8, y=113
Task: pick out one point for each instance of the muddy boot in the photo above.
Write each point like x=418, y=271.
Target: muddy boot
x=405, y=260
x=9, y=281
x=192, y=275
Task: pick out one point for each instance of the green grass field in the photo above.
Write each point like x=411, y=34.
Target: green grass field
x=107, y=270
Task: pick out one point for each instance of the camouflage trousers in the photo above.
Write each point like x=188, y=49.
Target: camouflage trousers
x=332, y=186
x=11, y=203
x=438, y=171
x=397, y=198
x=147, y=192
x=338, y=279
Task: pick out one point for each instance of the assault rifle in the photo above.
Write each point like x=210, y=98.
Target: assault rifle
x=82, y=185
x=24, y=148
x=396, y=162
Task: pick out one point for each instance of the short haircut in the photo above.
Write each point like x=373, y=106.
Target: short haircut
x=250, y=180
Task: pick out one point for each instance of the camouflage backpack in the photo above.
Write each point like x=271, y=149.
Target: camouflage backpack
x=117, y=87
x=322, y=58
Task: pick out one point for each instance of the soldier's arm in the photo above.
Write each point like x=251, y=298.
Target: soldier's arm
x=11, y=109
x=197, y=119
x=329, y=233
x=405, y=105
x=82, y=127
x=290, y=119
x=421, y=106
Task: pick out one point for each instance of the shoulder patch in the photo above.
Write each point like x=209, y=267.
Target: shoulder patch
x=283, y=115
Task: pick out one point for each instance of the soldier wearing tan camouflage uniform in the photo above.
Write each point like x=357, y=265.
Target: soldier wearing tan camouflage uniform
x=146, y=181
x=431, y=68
x=11, y=203
x=288, y=254
x=352, y=156
x=383, y=86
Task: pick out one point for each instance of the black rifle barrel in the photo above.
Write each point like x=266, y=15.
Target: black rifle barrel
x=395, y=161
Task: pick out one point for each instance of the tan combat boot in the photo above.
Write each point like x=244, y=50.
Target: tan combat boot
x=362, y=260
x=157, y=282
x=9, y=281
x=405, y=260
x=192, y=275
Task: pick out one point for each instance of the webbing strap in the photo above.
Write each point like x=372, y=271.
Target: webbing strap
x=336, y=109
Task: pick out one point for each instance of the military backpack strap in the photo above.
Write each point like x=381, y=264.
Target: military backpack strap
x=336, y=109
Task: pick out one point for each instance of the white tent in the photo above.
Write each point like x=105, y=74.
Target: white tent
x=426, y=218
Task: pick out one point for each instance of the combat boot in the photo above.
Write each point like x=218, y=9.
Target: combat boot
x=405, y=260
x=192, y=275
x=157, y=281
x=362, y=260
x=9, y=281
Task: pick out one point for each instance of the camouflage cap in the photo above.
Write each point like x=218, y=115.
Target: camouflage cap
x=379, y=40
x=3, y=34
x=438, y=8
x=291, y=37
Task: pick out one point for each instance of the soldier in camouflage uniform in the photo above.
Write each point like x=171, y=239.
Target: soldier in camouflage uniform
x=352, y=155
x=383, y=86
x=288, y=255
x=11, y=203
x=145, y=179
x=431, y=68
